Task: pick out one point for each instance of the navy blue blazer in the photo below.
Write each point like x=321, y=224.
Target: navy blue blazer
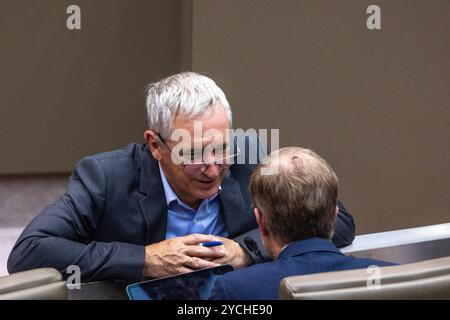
x=262, y=281
x=114, y=205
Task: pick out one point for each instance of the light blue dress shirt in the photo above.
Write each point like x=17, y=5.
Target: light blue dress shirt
x=183, y=220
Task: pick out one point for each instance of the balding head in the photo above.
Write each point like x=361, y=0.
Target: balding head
x=298, y=199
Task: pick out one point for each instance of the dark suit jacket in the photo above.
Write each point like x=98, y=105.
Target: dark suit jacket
x=262, y=281
x=114, y=206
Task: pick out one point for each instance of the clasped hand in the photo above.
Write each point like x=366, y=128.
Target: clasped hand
x=184, y=254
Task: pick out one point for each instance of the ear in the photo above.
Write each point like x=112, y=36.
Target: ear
x=337, y=211
x=153, y=144
x=261, y=223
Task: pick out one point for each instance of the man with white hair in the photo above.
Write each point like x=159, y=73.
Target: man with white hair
x=143, y=210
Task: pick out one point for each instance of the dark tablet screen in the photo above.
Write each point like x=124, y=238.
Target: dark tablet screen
x=196, y=285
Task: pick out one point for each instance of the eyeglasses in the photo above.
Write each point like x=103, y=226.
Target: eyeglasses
x=192, y=167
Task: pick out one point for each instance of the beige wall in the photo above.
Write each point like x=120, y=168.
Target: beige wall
x=66, y=94
x=374, y=103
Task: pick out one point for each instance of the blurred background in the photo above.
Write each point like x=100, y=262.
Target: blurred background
x=374, y=103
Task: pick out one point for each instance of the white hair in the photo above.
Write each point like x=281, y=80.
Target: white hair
x=189, y=94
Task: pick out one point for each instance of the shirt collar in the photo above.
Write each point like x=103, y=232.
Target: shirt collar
x=301, y=247
x=282, y=249
x=171, y=195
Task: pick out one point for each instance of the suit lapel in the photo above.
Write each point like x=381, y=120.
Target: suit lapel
x=153, y=206
x=234, y=208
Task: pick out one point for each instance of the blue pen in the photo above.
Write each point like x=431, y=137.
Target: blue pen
x=211, y=244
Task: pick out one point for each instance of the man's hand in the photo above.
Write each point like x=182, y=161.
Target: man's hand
x=234, y=254
x=181, y=255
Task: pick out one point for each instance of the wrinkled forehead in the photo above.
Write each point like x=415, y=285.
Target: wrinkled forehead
x=207, y=128
x=211, y=137
x=214, y=118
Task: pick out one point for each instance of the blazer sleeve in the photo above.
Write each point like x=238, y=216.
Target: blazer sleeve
x=61, y=235
x=252, y=244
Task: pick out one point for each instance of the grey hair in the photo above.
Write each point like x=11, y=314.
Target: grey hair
x=189, y=94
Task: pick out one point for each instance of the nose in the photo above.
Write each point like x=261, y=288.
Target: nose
x=212, y=171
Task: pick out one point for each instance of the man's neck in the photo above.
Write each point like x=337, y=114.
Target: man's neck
x=186, y=199
x=172, y=189
x=275, y=249
x=193, y=203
